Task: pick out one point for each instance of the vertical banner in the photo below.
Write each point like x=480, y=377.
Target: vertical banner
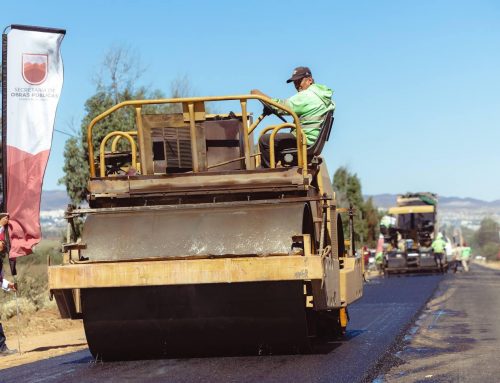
x=32, y=86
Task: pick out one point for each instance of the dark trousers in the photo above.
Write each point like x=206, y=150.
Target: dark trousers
x=438, y=258
x=2, y=339
x=282, y=141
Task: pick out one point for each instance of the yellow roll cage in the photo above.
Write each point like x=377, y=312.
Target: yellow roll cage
x=190, y=105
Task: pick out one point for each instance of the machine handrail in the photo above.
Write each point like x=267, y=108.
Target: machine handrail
x=275, y=129
x=190, y=101
x=114, y=144
x=272, y=155
x=102, y=159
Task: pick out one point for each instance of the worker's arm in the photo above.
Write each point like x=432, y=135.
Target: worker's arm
x=279, y=101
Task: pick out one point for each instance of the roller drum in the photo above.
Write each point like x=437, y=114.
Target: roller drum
x=202, y=320
x=243, y=230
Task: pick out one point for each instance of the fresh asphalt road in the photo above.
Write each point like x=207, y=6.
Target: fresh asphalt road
x=387, y=308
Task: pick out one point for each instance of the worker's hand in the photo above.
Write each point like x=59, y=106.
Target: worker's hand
x=12, y=286
x=4, y=220
x=267, y=110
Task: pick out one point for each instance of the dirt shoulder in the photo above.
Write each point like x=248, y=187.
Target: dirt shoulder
x=42, y=335
x=456, y=338
x=491, y=265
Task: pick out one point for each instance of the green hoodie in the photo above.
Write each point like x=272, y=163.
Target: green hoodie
x=310, y=105
x=439, y=244
x=466, y=252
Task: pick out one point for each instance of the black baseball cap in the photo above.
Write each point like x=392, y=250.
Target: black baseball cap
x=299, y=72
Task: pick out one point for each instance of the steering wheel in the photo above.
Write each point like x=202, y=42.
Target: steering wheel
x=268, y=110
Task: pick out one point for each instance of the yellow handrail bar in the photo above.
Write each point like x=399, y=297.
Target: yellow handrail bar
x=249, y=165
x=256, y=123
x=102, y=162
x=114, y=144
x=275, y=129
x=272, y=159
x=304, y=149
x=267, y=129
x=263, y=131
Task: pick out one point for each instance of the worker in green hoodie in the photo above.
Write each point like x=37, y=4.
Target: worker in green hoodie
x=438, y=247
x=465, y=256
x=311, y=103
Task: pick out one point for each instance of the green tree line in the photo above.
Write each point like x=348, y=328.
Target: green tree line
x=116, y=82
x=348, y=192
x=486, y=240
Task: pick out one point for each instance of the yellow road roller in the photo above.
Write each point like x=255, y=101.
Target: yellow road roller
x=190, y=248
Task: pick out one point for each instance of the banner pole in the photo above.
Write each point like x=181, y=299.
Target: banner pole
x=3, y=207
x=3, y=159
x=4, y=122
x=18, y=320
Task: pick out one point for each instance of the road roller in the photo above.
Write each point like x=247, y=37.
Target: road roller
x=190, y=247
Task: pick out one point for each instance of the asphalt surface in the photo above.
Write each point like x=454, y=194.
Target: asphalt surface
x=378, y=321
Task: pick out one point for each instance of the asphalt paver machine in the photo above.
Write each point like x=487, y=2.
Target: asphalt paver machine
x=408, y=242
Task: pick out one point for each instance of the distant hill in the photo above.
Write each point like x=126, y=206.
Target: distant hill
x=58, y=199
x=383, y=201
x=452, y=210
x=387, y=200
x=468, y=203
x=54, y=200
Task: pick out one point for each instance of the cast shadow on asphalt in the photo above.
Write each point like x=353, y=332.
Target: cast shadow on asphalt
x=323, y=348
x=411, y=275
x=85, y=360
x=318, y=348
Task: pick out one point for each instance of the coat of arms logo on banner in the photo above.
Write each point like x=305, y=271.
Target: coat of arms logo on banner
x=35, y=68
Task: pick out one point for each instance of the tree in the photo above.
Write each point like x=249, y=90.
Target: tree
x=487, y=232
x=487, y=238
x=491, y=251
x=372, y=219
x=120, y=71
x=468, y=236
x=75, y=170
x=116, y=82
x=347, y=187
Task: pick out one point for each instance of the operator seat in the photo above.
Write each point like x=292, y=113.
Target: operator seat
x=315, y=149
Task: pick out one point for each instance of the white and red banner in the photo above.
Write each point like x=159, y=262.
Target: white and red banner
x=34, y=79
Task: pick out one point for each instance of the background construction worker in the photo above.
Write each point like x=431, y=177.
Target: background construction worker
x=465, y=257
x=438, y=247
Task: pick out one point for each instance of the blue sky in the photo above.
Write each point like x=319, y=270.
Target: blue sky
x=417, y=84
